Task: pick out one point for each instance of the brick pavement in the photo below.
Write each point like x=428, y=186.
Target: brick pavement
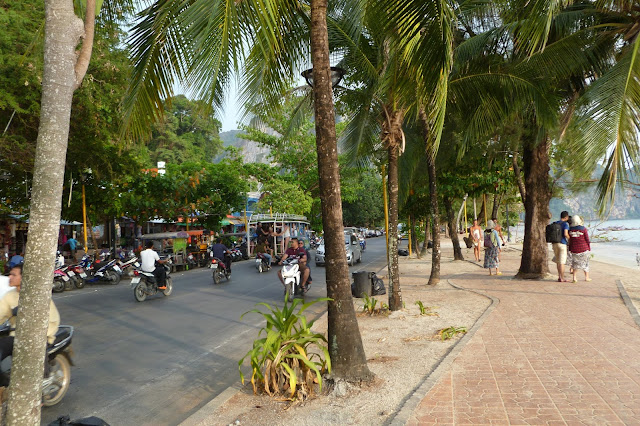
x=549, y=353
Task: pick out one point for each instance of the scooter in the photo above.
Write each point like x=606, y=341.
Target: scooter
x=291, y=276
x=124, y=263
x=59, y=356
x=219, y=270
x=101, y=270
x=144, y=283
x=262, y=264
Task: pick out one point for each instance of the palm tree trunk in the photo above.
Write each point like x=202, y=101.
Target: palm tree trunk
x=496, y=206
x=518, y=176
x=395, y=298
x=533, y=264
x=453, y=229
x=414, y=236
x=434, y=278
x=427, y=236
x=345, y=343
x=63, y=30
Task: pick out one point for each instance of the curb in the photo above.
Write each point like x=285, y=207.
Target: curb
x=411, y=401
x=200, y=416
x=205, y=412
x=627, y=301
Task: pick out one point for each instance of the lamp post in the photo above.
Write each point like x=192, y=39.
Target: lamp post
x=336, y=76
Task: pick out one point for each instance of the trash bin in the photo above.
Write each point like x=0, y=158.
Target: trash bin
x=362, y=283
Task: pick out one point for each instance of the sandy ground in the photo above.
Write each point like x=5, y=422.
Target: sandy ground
x=401, y=349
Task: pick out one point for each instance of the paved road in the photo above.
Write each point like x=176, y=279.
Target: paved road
x=157, y=362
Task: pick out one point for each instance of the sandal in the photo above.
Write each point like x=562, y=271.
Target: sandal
x=575, y=280
x=498, y=273
x=588, y=280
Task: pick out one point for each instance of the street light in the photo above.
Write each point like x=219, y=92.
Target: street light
x=336, y=76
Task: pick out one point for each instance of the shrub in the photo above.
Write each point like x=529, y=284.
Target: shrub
x=281, y=361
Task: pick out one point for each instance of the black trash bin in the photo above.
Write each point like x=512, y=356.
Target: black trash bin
x=362, y=283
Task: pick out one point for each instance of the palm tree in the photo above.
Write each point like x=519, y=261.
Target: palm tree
x=202, y=44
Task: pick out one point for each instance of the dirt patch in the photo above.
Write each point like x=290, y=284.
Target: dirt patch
x=402, y=349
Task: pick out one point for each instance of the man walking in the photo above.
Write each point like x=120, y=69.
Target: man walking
x=560, y=249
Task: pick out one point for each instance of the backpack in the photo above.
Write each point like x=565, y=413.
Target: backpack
x=488, y=242
x=553, y=233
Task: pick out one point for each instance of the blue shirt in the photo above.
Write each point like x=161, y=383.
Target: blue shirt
x=219, y=250
x=565, y=226
x=72, y=243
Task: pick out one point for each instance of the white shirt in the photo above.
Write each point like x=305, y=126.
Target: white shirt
x=148, y=259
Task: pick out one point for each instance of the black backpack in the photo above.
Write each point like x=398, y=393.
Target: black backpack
x=553, y=232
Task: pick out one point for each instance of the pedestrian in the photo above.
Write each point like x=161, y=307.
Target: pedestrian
x=638, y=259
x=476, y=234
x=73, y=244
x=560, y=249
x=492, y=248
x=579, y=247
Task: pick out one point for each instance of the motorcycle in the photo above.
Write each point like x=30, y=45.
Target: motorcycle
x=61, y=275
x=59, y=356
x=291, y=277
x=144, y=283
x=125, y=264
x=262, y=264
x=219, y=270
x=101, y=270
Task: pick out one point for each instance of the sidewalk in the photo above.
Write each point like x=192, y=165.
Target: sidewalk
x=549, y=353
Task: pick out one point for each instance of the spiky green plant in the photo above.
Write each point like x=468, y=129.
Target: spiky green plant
x=426, y=310
x=289, y=358
x=369, y=304
x=450, y=332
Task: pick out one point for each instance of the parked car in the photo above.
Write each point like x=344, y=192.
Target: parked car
x=352, y=248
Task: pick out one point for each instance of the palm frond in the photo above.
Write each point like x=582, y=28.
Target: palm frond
x=607, y=124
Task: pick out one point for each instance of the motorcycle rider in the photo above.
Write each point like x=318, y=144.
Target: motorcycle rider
x=221, y=252
x=296, y=252
x=9, y=311
x=148, y=259
x=309, y=280
x=263, y=247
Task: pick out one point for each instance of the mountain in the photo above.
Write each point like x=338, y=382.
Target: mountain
x=251, y=151
x=583, y=201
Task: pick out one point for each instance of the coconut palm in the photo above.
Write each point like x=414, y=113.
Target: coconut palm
x=203, y=44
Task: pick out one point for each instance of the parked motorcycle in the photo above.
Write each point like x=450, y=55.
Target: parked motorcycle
x=59, y=356
x=101, y=270
x=262, y=264
x=125, y=264
x=219, y=270
x=144, y=283
x=291, y=277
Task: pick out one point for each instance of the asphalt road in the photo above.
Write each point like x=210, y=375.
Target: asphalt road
x=159, y=361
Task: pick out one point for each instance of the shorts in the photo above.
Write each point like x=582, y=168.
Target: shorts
x=560, y=253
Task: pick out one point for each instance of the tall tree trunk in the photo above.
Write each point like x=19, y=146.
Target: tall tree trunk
x=427, y=235
x=483, y=207
x=395, y=298
x=62, y=73
x=533, y=264
x=345, y=343
x=496, y=206
x=414, y=237
x=453, y=229
x=434, y=278
x=518, y=176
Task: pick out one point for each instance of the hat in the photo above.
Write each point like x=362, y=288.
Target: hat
x=491, y=224
x=576, y=220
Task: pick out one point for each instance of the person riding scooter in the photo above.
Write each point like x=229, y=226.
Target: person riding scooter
x=148, y=259
x=9, y=311
x=296, y=252
x=263, y=248
x=221, y=252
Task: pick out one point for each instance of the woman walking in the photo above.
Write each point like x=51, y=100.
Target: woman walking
x=579, y=247
x=492, y=248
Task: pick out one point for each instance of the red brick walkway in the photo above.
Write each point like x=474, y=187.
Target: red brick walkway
x=550, y=353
